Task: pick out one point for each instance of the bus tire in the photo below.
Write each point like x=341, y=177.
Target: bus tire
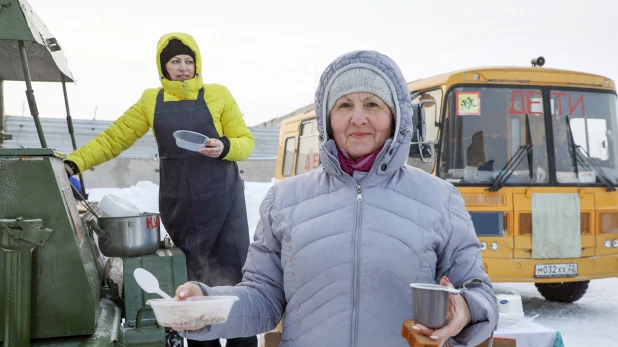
x=563, y=291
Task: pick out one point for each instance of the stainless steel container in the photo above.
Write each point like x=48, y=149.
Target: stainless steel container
x=430, y=304
x=128, y=236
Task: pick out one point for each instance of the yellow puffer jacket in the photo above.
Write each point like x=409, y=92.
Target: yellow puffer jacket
x=137, y=120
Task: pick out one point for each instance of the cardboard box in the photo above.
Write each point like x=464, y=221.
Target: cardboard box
x=272, y=339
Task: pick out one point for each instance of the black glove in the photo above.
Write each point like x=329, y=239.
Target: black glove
x=226, y=147
x=71, y=168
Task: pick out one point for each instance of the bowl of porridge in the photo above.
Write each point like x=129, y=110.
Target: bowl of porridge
x=192, y=313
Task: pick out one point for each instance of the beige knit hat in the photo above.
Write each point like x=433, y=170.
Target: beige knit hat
x=360, y=80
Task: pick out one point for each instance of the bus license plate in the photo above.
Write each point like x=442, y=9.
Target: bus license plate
x=555, y=270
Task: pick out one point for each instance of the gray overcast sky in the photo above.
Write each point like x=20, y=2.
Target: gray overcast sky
x=270, y=53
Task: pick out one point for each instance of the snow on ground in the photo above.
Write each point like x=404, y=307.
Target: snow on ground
x=591, y=321
x=145, y=195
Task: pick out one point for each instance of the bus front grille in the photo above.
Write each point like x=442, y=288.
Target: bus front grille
x=525, y=223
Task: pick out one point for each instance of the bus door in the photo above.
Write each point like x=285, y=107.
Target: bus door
x=308, y=157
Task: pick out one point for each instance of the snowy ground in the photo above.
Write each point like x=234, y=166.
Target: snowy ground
x=591, y=321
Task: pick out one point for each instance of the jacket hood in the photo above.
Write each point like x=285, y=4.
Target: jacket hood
x=187, y=89
x=397, y=148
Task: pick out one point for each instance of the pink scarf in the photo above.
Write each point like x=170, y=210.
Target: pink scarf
x=363, y=164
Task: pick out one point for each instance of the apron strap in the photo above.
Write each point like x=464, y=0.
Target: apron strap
x=160, y=96
x=200, y=95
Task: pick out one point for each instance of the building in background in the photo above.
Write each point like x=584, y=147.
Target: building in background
x=138, y=163
x=276, y=122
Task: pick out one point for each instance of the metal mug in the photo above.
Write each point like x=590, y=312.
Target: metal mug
x=430, y=304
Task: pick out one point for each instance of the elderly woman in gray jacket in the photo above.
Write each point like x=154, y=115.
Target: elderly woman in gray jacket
x=337, y=248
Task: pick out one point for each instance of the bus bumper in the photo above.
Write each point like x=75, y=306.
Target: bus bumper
x=523, y=270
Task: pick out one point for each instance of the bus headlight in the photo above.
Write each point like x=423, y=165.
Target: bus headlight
x=615, y=243
x=494, y=246
x=607, y=243
x=483, y=246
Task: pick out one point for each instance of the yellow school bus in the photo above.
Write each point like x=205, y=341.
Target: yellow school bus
x=534, y=153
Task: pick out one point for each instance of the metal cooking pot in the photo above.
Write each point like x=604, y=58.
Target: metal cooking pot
x=128, y=236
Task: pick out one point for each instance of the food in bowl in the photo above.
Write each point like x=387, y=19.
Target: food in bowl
x=197, y=311
x=179, y=321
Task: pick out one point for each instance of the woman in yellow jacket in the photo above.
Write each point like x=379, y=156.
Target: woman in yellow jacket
x=201, y=195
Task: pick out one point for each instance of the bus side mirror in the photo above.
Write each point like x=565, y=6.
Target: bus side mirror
x=421, y=128
x=424, y=151
x=419, y=148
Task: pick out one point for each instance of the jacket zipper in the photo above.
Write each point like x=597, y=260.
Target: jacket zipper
x=355, y=279
x=184, y=84
x=359, y=213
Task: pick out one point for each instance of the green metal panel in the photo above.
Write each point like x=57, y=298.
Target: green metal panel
x=108, y=331
x=171, y=271
x=40, y=152
x=19, y=24
x=144, y=336
x=18, y=332
x=13, y=25
x=18, y=238
x=66, y=285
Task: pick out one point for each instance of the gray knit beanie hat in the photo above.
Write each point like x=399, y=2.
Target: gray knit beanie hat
x=360, y=80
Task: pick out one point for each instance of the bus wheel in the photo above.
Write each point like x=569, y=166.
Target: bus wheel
x=563, y=291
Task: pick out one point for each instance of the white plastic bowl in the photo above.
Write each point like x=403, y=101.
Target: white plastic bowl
x=114, y=206
x=194, y=312
x=190, y=140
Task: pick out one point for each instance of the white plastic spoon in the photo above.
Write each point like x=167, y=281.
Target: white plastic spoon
x=148, y=282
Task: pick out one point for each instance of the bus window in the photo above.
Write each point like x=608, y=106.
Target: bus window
x=314, y=127
x=593, y=119
x=306, y=128
x=484, y=127
x=308, y=157
x=432, y=103
x=288, y=156
x=591, y=134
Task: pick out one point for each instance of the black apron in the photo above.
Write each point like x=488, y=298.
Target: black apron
x=201, y=199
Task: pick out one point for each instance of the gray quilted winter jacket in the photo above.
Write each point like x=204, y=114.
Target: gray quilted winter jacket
x=334, y=255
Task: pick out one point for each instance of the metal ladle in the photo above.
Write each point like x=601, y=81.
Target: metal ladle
x=148, y=282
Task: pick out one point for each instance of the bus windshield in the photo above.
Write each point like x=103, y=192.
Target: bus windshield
x=484, y=127
x=488, y=130
x=593, y=124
